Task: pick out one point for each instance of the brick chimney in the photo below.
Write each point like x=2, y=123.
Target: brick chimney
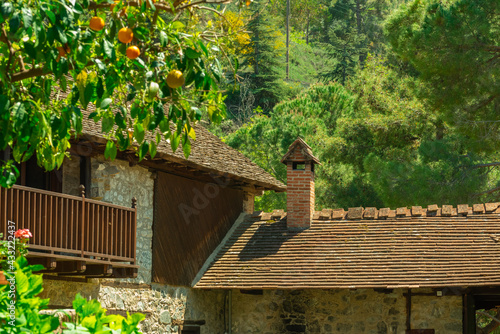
x=300, y=162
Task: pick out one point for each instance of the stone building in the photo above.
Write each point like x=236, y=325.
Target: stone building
x=141, y=254
x=195, y=258
x=362, y=270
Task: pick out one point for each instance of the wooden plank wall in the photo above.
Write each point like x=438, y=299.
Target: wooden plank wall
x=191, y=219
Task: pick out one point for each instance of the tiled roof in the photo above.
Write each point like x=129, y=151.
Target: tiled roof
x=304, y=148
x=208, y=153
x=363, y=248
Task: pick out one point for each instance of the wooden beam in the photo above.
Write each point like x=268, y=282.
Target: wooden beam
x=98, y=270
x=69, y=268
x=48, y=262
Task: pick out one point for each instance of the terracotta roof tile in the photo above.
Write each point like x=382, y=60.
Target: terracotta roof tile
x=416, y=211
x=370, y=213
x=355, y=213
x=463, y=209
x=208, y=153
x=304, y=149
x=431, y=250
x=478, y=208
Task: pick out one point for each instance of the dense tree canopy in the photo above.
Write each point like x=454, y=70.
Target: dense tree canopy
x=455, y=48
x=59, y=58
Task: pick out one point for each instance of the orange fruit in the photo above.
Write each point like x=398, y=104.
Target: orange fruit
x=175, y=79
x=133, y=52
x=125, y=35
x=248, y=3
x=96, y=23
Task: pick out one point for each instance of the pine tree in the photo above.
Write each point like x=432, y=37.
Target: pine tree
x=264, y=58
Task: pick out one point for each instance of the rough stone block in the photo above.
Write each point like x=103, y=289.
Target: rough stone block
x=478, y=208
x=416, y=211
x=384, y=212
x=355, y=213
x=401, y=211
x=490, y=207
x=338, y=214
x=446, y=210
x=370, y=213
x=463, y=209
x=432, y=208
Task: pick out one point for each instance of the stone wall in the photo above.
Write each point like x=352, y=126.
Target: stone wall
x=248, y=202
x=444, y=314
x=342, y=311
x=71, y=175
x=166, y=308
x=116, y=182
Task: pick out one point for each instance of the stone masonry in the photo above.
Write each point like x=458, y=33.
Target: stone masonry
x=165, y=307
x=343, y=311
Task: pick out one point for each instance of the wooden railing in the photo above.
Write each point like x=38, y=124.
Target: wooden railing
x=66, y=227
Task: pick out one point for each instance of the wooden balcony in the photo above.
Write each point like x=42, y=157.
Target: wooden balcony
x=73, y=235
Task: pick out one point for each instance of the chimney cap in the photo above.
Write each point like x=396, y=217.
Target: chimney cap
x=305, y=149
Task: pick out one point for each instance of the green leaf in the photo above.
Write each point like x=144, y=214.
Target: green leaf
x=111, y=150
x=100, y=88
x=163, y=38
x=141, y=33
x=27, y=17
x=100, y=65
x=30, y=50
x=109, y=50
x=186, y=147
x=203, y=47
x=89, y=91
x=4, y=105
x=14, y=23
x=105, y=103
x=49, y=325
x=143, y=150
x=178, y=25
x=139, y=132
x=193, y=54
x=6, y=9
x=107, y=122
x=152, y=149
x=62, y=36
x=174, y=141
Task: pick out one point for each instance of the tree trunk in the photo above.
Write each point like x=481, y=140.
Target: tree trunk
x=362, y=56
x=256, y=52
x=307, y=28
x=287, y=38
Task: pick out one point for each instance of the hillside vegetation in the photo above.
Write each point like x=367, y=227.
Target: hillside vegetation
x=399, y=100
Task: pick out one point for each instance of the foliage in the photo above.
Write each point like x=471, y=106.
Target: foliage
x=454, y=47
x=311, y=115
x=351, y=30
x=55, y=70
x=263, y=58
x=15, y=245
x=378, y=144
x=90, y=316
x=27, y=305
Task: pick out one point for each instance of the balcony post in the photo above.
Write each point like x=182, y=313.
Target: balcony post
x=134, y=206
x=82, y=193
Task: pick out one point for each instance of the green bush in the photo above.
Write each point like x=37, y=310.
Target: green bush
x=20, y=308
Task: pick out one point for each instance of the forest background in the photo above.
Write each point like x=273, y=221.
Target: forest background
x=398, y=99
